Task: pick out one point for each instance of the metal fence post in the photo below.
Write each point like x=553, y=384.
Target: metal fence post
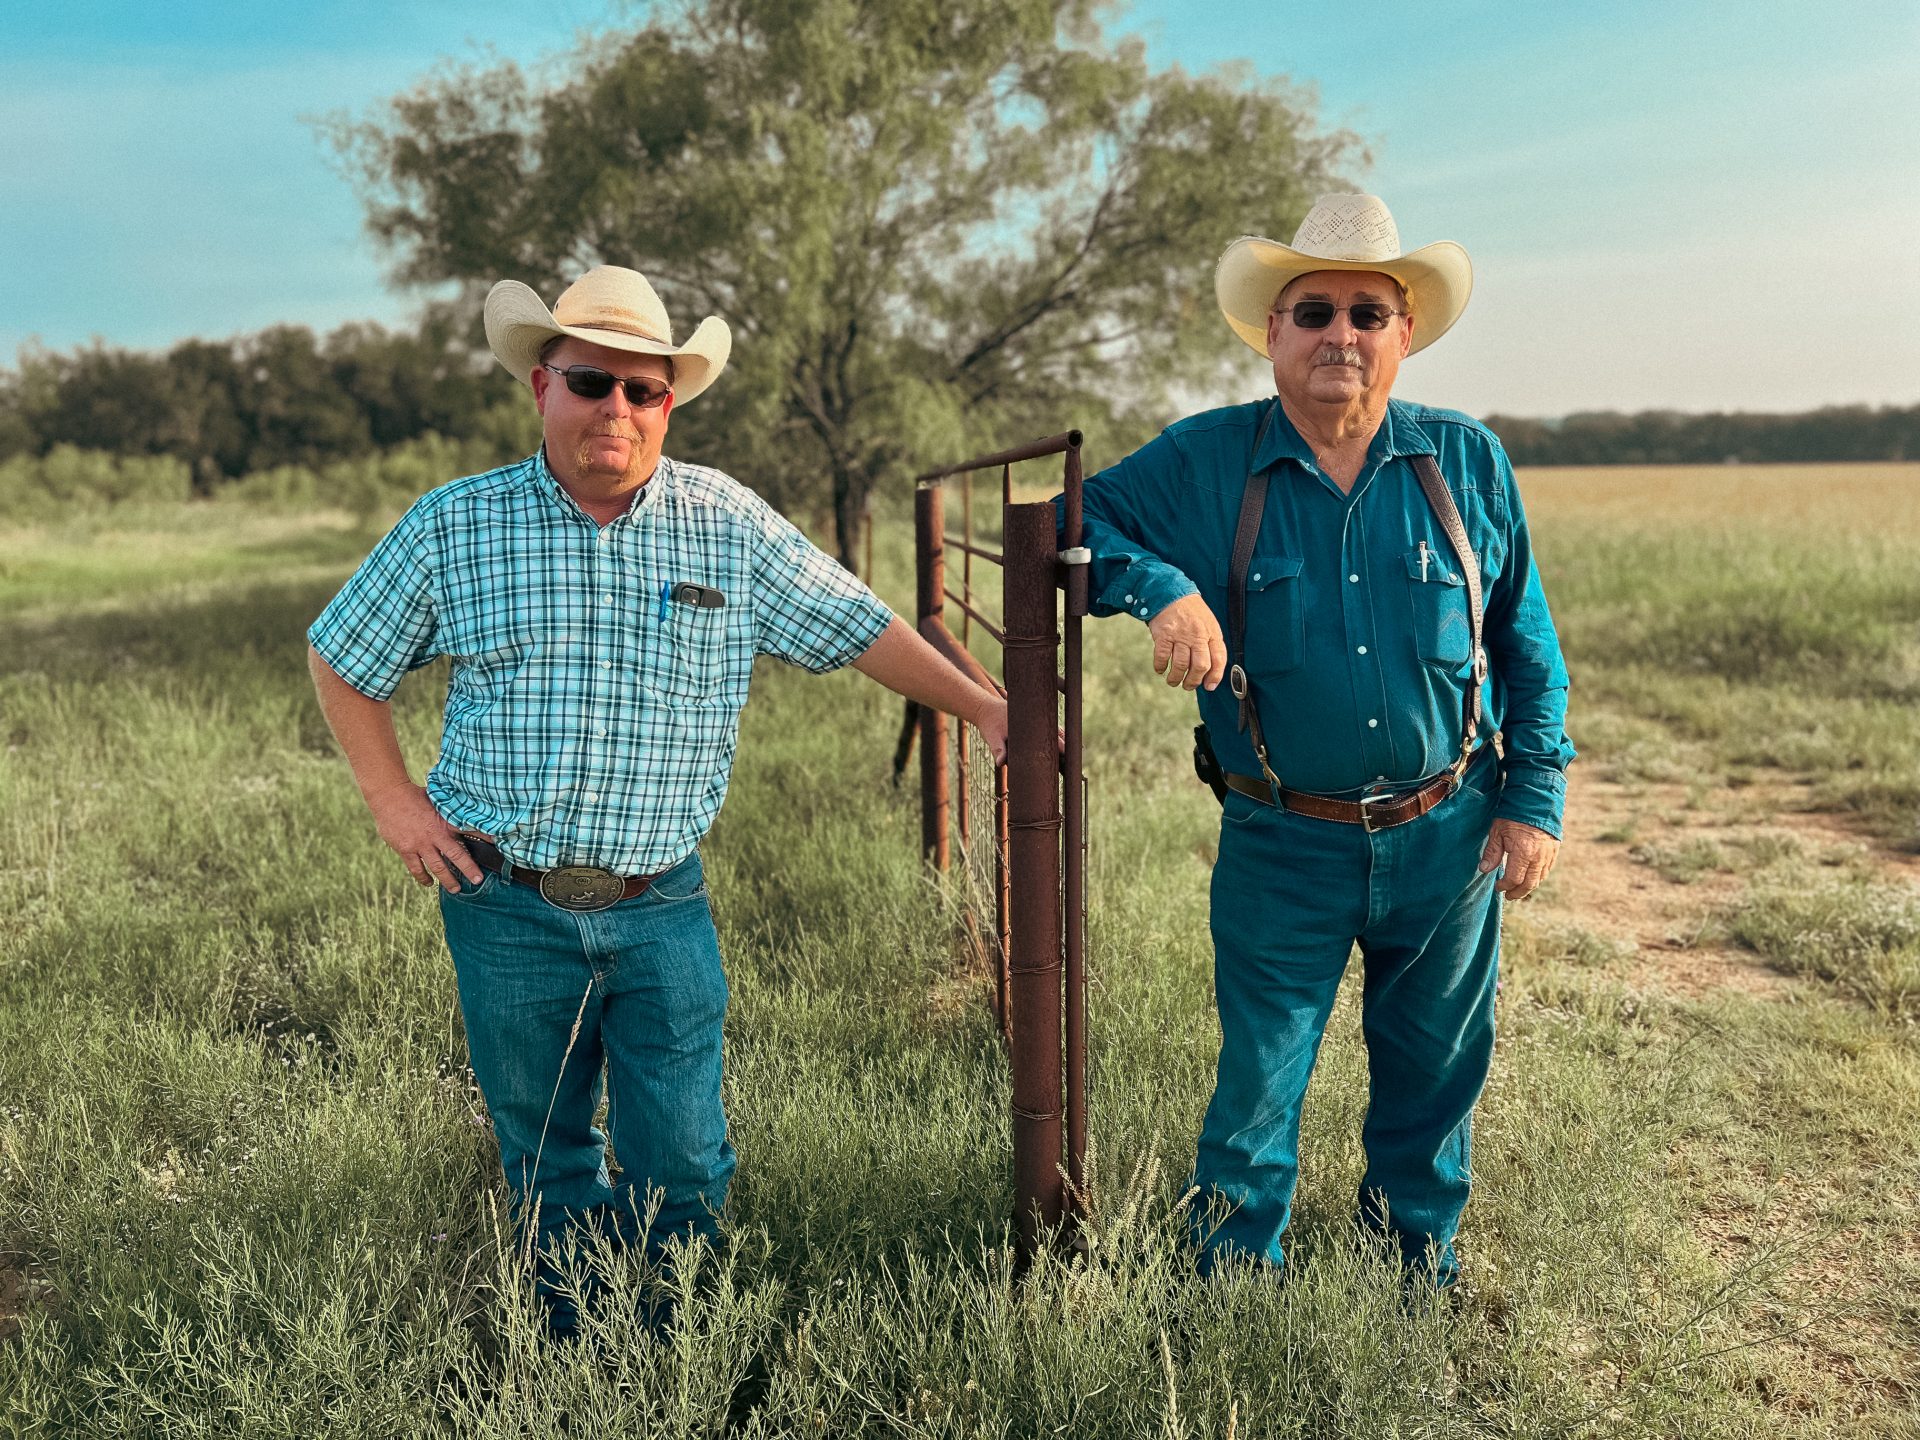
x=1073, y=838
x=930, y=575
x=1033, y=783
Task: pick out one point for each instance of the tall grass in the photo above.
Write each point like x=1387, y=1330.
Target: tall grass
x=247, y=1176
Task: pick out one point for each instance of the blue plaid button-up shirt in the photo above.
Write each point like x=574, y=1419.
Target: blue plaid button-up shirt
x=591, y=712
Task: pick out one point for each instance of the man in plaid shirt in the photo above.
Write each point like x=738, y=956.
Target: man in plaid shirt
x=602, y=606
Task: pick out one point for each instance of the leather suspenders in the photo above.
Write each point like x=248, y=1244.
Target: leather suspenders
x=1440, y=499
x=1253, y=502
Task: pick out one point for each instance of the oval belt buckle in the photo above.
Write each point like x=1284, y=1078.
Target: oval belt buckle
x=581, y=887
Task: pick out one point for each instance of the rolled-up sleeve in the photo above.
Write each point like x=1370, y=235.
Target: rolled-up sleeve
x=1125, y=509
x=383, y=622
x=809, y=609
x=1524, y=655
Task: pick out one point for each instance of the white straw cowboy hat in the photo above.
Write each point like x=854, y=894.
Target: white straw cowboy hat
x=1342, y=232
x=611, y=306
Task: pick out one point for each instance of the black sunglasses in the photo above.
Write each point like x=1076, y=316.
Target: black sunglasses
x=590, y=382
x=1318, y=314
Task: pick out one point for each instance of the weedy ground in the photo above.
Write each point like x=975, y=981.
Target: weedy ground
x=247, y=1187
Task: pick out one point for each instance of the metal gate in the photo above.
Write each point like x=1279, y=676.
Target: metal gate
x=1019, y=830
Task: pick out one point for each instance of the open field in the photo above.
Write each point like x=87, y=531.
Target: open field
x=246, y=1187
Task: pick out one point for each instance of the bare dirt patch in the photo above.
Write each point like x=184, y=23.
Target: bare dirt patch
x=1656, y=866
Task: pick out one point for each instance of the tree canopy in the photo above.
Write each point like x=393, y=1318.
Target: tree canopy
x=932, y=224
x=281, y=396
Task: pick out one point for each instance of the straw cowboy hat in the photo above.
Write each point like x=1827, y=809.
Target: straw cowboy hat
x=610, y=306
x=1342, y=232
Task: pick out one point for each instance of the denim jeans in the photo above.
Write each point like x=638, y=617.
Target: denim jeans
x=1291, y=897
x=553, y=997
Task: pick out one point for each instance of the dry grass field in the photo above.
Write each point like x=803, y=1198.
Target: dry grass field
x=246, y=1188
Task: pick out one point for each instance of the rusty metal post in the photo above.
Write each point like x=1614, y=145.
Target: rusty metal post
x=1033, y=822
x=966, y=637
x=930, y=576
x=1002, y=904
x=1073, y=838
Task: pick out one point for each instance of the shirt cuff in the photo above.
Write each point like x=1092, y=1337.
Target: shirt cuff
x=861, y=633
x=1145, y=588
x=370, y=678
x=1534, y=795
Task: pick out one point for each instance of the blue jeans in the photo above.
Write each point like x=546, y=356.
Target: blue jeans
x=1291, y=897
x=551, y=998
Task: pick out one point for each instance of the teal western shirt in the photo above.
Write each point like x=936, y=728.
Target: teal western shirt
x=1358, y=653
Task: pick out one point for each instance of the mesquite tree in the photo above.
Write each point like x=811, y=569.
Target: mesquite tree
x=932, y=224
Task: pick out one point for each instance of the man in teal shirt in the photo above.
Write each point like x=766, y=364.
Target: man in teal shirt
x=1368, y=798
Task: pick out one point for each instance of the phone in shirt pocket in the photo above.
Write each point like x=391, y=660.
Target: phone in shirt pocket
x=1442, y=628
x=693, y=663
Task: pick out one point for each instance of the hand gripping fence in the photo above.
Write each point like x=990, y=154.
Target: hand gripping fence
x=1024, y=858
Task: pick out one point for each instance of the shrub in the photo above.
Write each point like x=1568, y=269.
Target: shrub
x=1861, y=933
x=66, y=478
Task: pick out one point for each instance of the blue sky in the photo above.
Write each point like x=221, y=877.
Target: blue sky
x=1662, y=201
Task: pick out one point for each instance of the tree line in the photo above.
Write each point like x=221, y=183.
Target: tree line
x=283, y=397
x=229, y=409
x=1669, y=437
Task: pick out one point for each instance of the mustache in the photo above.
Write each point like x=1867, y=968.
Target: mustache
x=1338, y=355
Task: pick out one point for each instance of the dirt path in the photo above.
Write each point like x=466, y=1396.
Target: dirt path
x=1654, y=867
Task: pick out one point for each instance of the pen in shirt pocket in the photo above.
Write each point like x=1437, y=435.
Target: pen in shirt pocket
x=666, y=593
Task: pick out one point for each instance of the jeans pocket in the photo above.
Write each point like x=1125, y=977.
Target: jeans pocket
x=471, y=889
x=683, y=881
x=1238, y=811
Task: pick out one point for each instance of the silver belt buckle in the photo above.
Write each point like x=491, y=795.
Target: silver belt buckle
x=582, y=887
x=1366, y=815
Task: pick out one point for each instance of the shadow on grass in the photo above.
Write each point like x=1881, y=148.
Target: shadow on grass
x=259, y=627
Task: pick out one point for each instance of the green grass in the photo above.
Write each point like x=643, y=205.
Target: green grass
x=246, y=1186
x=1859, y=933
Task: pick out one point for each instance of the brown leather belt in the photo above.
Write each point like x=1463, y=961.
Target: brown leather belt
x=571, y=887
x=1373, y=812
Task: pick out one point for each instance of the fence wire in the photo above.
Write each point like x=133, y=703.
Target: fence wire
x=980, y=846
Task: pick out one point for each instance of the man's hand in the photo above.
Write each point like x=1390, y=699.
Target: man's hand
x=1188, y=647
x=990, y=719
x=431, y=849
x=1528, y=854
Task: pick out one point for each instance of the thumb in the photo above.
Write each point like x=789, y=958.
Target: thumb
x=1491, y=854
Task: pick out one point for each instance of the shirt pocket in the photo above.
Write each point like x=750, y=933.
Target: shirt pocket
x=1442, y=624
x=692, y=664
x=1276, y=615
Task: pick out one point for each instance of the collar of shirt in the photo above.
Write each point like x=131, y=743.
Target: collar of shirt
x=1398, y=435
x=547, y=484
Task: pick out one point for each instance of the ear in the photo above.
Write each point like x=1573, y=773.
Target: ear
x=1273, y=331
x=540, y=379
x=666, y=407
x=1406, y=336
